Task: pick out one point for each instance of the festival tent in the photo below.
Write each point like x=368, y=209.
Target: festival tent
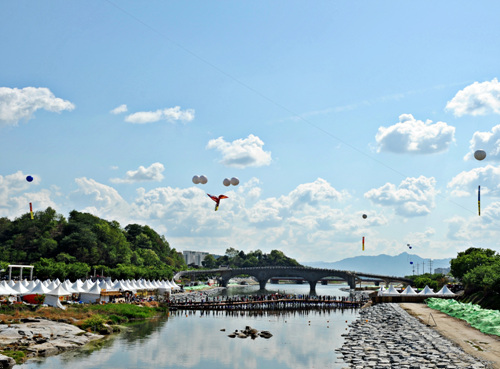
x=6, y=290
x=53, y=285
x=92, y=295
x=77, y=286
x=52, y=297
x=69, y=287
x=444, y=292
x=11, y=283
x=25, y=282
x=87, y=285
x=381, y=291
x=391, y=291
x=176, y=287
x=32, y=285
x=427, y=291
x=21, y=289
x=408, y=291
x=120, y=286
x=38, y=289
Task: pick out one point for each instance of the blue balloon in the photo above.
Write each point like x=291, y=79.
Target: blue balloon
x=29, y=178
x=411, y=262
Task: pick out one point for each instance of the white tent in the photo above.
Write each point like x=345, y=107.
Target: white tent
x=52, y=297
x=381, y=291
x=93, y=295
x=427, y=291
x=445, y=292
x=39, y=289
x=21, y=289
x=77, y=286
x=391, y=291
x=176, y=287
x=87, y=285
x=6, y=290
x=408, y=291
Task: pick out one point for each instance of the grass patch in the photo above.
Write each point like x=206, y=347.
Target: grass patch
x=18, y=356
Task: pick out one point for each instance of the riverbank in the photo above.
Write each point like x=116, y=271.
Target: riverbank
x=28, y=331
x=387, y=336
x=40, y=337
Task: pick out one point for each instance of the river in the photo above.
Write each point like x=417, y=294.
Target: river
x=196, y=340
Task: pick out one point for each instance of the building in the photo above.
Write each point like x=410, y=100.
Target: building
x=441, y=270
x=194, y=257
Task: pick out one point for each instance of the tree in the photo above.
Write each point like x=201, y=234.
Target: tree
x=209, y=262
x=470, y=259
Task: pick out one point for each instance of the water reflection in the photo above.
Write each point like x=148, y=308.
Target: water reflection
x=192, y=339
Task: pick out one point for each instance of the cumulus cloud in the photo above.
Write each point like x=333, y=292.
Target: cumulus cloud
x=465, y=183
x=487, y=141
x=119, y=109
x=476, y=99
x=415, y=136
x=20, y=104
x=16, y=194
x=413, y=197
x=151, y=173
x=241, y=153
x=169, y=114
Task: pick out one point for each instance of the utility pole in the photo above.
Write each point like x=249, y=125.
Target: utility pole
x=423, y=267
x=418, y=264
x=430, y=266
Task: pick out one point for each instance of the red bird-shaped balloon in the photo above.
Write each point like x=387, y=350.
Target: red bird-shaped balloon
x=217, y=199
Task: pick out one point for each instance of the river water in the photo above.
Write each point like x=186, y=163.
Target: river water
x=301, y=340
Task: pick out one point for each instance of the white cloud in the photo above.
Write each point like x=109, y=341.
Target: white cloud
x=170, y=115
x=119, y=109
x=413, y=197
x=487, y=141
x=18, y=104
x=151, y=173
x=476, y=99
x=16, y=194
x=465, y=183
x=241, y=153
x=415, y=136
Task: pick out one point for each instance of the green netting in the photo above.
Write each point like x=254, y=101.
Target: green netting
x=487, y=321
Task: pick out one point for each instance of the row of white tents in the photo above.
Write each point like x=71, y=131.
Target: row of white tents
x=87, y=290
x=409, y=291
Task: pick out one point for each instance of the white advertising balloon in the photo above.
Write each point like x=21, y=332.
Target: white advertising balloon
x=196, y=179
x=226, y=182
x=203, y=179
x=235, y=181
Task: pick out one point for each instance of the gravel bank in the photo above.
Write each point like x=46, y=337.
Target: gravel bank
x=386, y=336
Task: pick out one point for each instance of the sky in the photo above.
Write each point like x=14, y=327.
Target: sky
x=323, y=110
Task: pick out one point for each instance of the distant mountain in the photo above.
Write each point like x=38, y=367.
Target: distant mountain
x=398, y=265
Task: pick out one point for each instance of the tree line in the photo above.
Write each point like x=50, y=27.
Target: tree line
x=238, y=259
x=85, y=244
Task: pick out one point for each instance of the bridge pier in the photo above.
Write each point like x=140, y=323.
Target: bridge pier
x=312, y=287
x=262, y=284
x=351, y=281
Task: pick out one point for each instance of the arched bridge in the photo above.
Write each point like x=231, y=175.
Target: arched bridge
x=311, y=275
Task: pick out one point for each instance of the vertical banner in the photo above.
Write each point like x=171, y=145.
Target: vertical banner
x=479, y=200
x=363, y=243
x=31, y=211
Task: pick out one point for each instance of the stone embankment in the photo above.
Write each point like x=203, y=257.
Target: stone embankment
x=386, y=336
x=40, y=337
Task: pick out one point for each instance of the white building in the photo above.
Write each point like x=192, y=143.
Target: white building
x=194, y=257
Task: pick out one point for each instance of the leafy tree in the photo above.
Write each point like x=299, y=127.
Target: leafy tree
x=209, y=262
x=471, y=258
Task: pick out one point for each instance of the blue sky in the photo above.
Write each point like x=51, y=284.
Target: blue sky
x=324, y=111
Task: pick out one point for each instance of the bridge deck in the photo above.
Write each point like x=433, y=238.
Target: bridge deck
x=279, y=304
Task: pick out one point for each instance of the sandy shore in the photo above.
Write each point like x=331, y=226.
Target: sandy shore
x=471, y=340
